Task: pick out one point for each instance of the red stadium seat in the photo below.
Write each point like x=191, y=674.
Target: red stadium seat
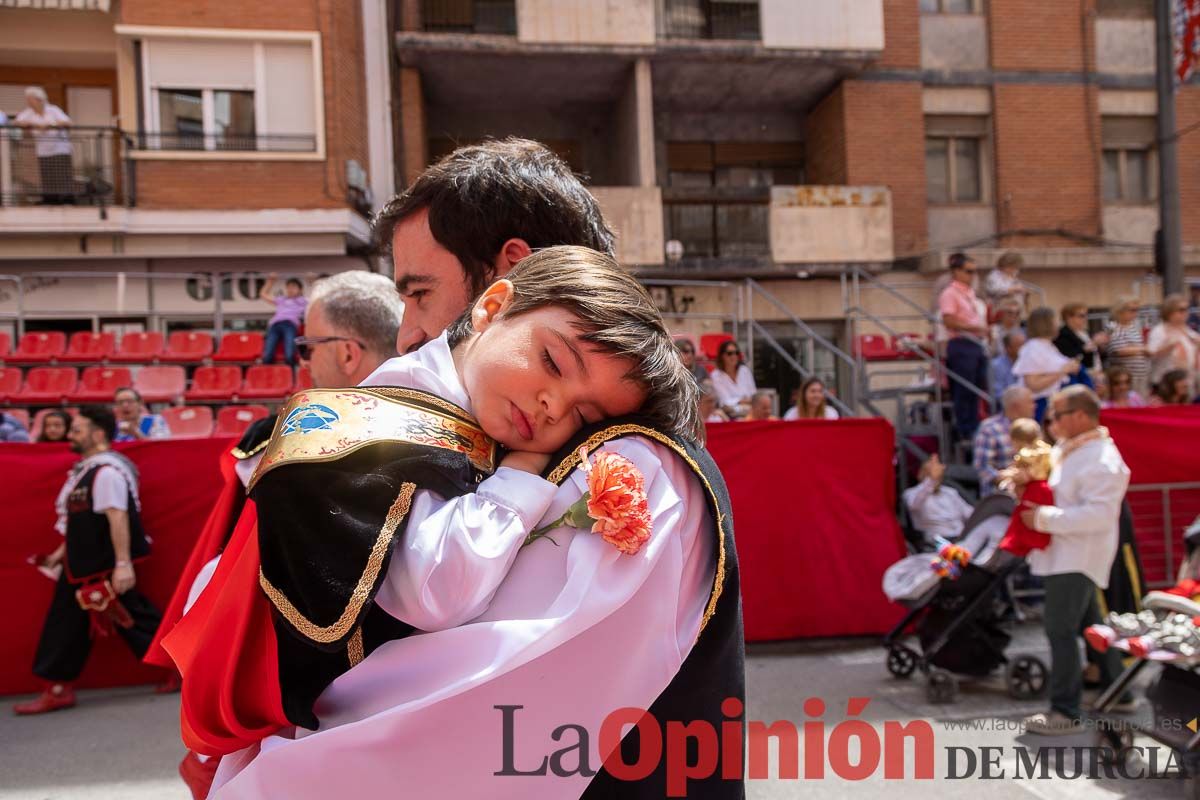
x=240, y=347
x=233, y=420
x=87, y=347
x=41, y=347
x=710, y=344
x=303, y=379
x=189, y=422
x=161, y=384
x=98, y=384
x=214, y=383
x=873, y=347
x=187, y=347
x=267, y=381
x=5, y=345
x=906, y=345
x=139, y=348
x=10, y=382
x=46, y=386
x=21, y=415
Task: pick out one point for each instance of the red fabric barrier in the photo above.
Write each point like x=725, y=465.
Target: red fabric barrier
x=814, y=517
x=179, y=483
x=1160, y=446
x=812, y=502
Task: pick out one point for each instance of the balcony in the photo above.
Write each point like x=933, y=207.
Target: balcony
x=710, y=19
x=759, y=229
x=497, y=17
x=225, y=142
x=75, y=166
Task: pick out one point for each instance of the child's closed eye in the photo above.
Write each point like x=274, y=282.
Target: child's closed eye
x=550, y=365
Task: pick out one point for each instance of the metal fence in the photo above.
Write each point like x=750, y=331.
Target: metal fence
x=268, y=143
x=710, y=19
x=497, y=17
x=1161, y=513
x=60, y=166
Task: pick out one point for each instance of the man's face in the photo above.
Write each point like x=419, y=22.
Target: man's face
x=761, y=408
x=431, y=282
x=1071, y=423
x=1012, y=345
x=966, y=273
x=126, y=406
x=323, y=363
x=80, y=434
x=533, y=383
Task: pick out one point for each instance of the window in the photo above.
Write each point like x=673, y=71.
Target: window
x=955, y=160
x=710, y=19
x=1132, y=9
x=1129, y=166
x=951, y=6
x=230, y=95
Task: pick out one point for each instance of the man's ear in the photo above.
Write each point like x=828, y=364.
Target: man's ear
x=349, y=357
x=492, y=304
x=511, y=252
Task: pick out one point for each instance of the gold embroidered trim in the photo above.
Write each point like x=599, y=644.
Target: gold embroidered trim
x=331, y=633
x=242, y=455
x=559, y=473
x=420, y=397
x=354, y=647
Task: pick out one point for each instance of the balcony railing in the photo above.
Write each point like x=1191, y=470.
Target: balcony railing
x=719, y=222
x=497, y=17
x=266, y=143
x=65, y=166
x=710, y=19
x=58, y=5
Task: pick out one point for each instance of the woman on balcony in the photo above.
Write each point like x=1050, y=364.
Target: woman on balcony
x=732, y=381
x=49, y=124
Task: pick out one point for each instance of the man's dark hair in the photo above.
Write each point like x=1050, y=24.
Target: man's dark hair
x=482, y=195
x=102, y=418
x=134, y=391
x=959, y=260
x=1079, y=398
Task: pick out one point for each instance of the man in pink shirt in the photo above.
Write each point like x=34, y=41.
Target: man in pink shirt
x=966, y=352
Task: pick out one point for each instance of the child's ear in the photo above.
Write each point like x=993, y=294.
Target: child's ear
x=492, y=304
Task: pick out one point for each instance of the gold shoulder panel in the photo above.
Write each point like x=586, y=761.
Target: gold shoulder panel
x=564, y=468
x=328, y=424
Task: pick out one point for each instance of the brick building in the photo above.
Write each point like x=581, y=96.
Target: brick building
x=211, y=143
x=772, y=139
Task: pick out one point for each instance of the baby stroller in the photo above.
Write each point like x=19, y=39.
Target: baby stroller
x=957, y=620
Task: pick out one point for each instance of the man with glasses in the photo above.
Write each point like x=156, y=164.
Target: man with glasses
x=965, y=320
x=1089, y=481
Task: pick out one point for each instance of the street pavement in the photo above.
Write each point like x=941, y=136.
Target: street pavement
x=124, y=745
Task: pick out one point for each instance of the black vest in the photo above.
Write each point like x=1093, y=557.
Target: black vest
x=715, y=669
x=333, y=491
x=89, y=540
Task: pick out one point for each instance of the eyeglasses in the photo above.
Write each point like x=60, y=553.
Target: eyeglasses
x=305, y=344
x=730, y=352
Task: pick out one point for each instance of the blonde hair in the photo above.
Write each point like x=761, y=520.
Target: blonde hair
x=1041, y=323
x=1024, y=432
x=1172, y=303
x=1122, y=302
x=1072, y=308
x=615, y=315
x=1035, y=460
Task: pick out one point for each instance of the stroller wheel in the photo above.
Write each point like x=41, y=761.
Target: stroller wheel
x=1026, y=677
x=942, y=687
x=901, y=660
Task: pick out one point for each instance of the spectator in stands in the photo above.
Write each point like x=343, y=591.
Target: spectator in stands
x=760, y=407
x=47, y=124
x=1194, y=311
x=1121, y=393
x=99, y=520
x=1002, y=365
x=1089, y=482
x=732, y=381
x=285, y=323
x=966, y=355
x=1004, y=281
x=1008, y=321
x=809, y=402
x=350, y=327
x=1127, y=343
x=55, y=426
x=993, y=450
x=133, y=420
x=687, y=353
x=1172, y=344
x=709, y=410
x=1042, y=369
x=1175, y=389
x=1073, y=341
x=11, y=429
x=936, y=510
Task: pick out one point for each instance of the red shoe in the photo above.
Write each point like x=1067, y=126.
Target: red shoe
x=171, y=685
x=198, y=775
x=54, y=697
x=1099, y=637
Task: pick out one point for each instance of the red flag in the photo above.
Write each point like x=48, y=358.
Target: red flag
x=1186, y=35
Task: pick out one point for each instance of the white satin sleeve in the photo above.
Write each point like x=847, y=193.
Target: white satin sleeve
x=454, y=553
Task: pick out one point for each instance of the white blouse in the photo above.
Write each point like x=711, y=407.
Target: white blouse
x=793, y=413
x=730, y=392
x=1038, y=357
